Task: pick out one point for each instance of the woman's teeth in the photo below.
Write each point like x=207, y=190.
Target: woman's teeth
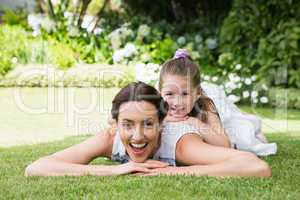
x=138, y=146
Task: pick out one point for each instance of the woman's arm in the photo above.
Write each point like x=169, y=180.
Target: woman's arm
x=74, y=160
x=205, y=159
x=213, y=132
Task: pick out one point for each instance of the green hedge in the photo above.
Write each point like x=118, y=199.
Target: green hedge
x=79, y=76
x=285, y=98
x=264, y=37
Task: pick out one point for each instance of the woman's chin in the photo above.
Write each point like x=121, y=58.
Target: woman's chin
x=137, y=155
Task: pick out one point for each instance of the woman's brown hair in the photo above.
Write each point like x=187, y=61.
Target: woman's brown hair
x=184, y=66
x=139, y=91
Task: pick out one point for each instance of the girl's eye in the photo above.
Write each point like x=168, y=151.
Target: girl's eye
x=148, y=124
x=168, y=94
x=185, y=93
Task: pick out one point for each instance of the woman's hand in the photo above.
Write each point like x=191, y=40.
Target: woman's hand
x=170, y=170
x=145, y=167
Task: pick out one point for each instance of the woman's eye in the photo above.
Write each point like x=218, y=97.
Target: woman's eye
x=168, y=94
x=185, y=93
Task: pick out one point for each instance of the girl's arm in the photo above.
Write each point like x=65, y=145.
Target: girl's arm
x=210, y=160
x=213, y=132
x=73, y=160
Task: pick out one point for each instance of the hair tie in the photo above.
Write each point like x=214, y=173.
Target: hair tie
x=181, y=53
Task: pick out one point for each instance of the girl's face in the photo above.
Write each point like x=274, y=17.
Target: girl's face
x=180, y=95
x=138, y=125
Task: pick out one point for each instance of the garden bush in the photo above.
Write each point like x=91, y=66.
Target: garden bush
x=285, y=97
x=13, y=47
x=78, y=76
x=263, y=35
x=278, y=55
x=62, y=55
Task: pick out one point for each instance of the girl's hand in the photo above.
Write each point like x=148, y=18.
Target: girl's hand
x=197, y=123
x=134, y=167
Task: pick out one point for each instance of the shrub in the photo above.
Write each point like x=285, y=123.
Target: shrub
x=285, y=98
x=278, y=55
x=15, y=17
x=61, y=55
x=13, y=46
x=263, y=34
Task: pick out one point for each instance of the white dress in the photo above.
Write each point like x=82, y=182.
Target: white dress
x=244, y=130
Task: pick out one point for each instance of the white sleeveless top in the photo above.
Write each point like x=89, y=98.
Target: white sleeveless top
x=172, y=132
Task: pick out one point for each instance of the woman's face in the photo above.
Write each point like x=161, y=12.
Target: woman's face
x=179, y=94
x=138, y=125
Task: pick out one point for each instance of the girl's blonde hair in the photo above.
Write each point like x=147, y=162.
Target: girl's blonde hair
x=184, y=66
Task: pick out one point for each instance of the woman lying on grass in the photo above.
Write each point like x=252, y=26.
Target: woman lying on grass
x=145, y=147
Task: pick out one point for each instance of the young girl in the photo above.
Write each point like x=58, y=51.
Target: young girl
x=179, y=84
x=139, y=145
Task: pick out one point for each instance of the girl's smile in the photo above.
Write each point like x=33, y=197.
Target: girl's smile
x=179, y=94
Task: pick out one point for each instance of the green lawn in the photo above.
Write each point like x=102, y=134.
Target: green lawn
x=18, y=127
x=284, y=183
x=272, y=113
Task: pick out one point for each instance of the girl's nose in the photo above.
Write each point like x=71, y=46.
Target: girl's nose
x=177, y=101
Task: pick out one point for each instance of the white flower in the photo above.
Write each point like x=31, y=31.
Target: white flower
x=255, y=100
x=68, y=14
x=87, y=22
x=233, y=98
x=181, y=40
x=248, y=81
x=231, y=85
x=118, y=56
x=246, y=94
x=228, y=90
x=35, y=21
x=35, y=33
x=98, y=31
x=206, y=77
x=198, y=38
x=231, y=76
x=254, y=94
x=253, y=78
x=236, y=79
x=239, y=85
x=211, y=43
x=238, y=66
x=154, y=67
x=146, y=73
x=119, y=35
x=129, y=50
x=143, y=31
x=264, y=87
x=14, y=60
x=264, y=100
x=214, y=79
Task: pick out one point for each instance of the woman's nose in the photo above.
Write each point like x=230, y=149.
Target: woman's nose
x=138, y=133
